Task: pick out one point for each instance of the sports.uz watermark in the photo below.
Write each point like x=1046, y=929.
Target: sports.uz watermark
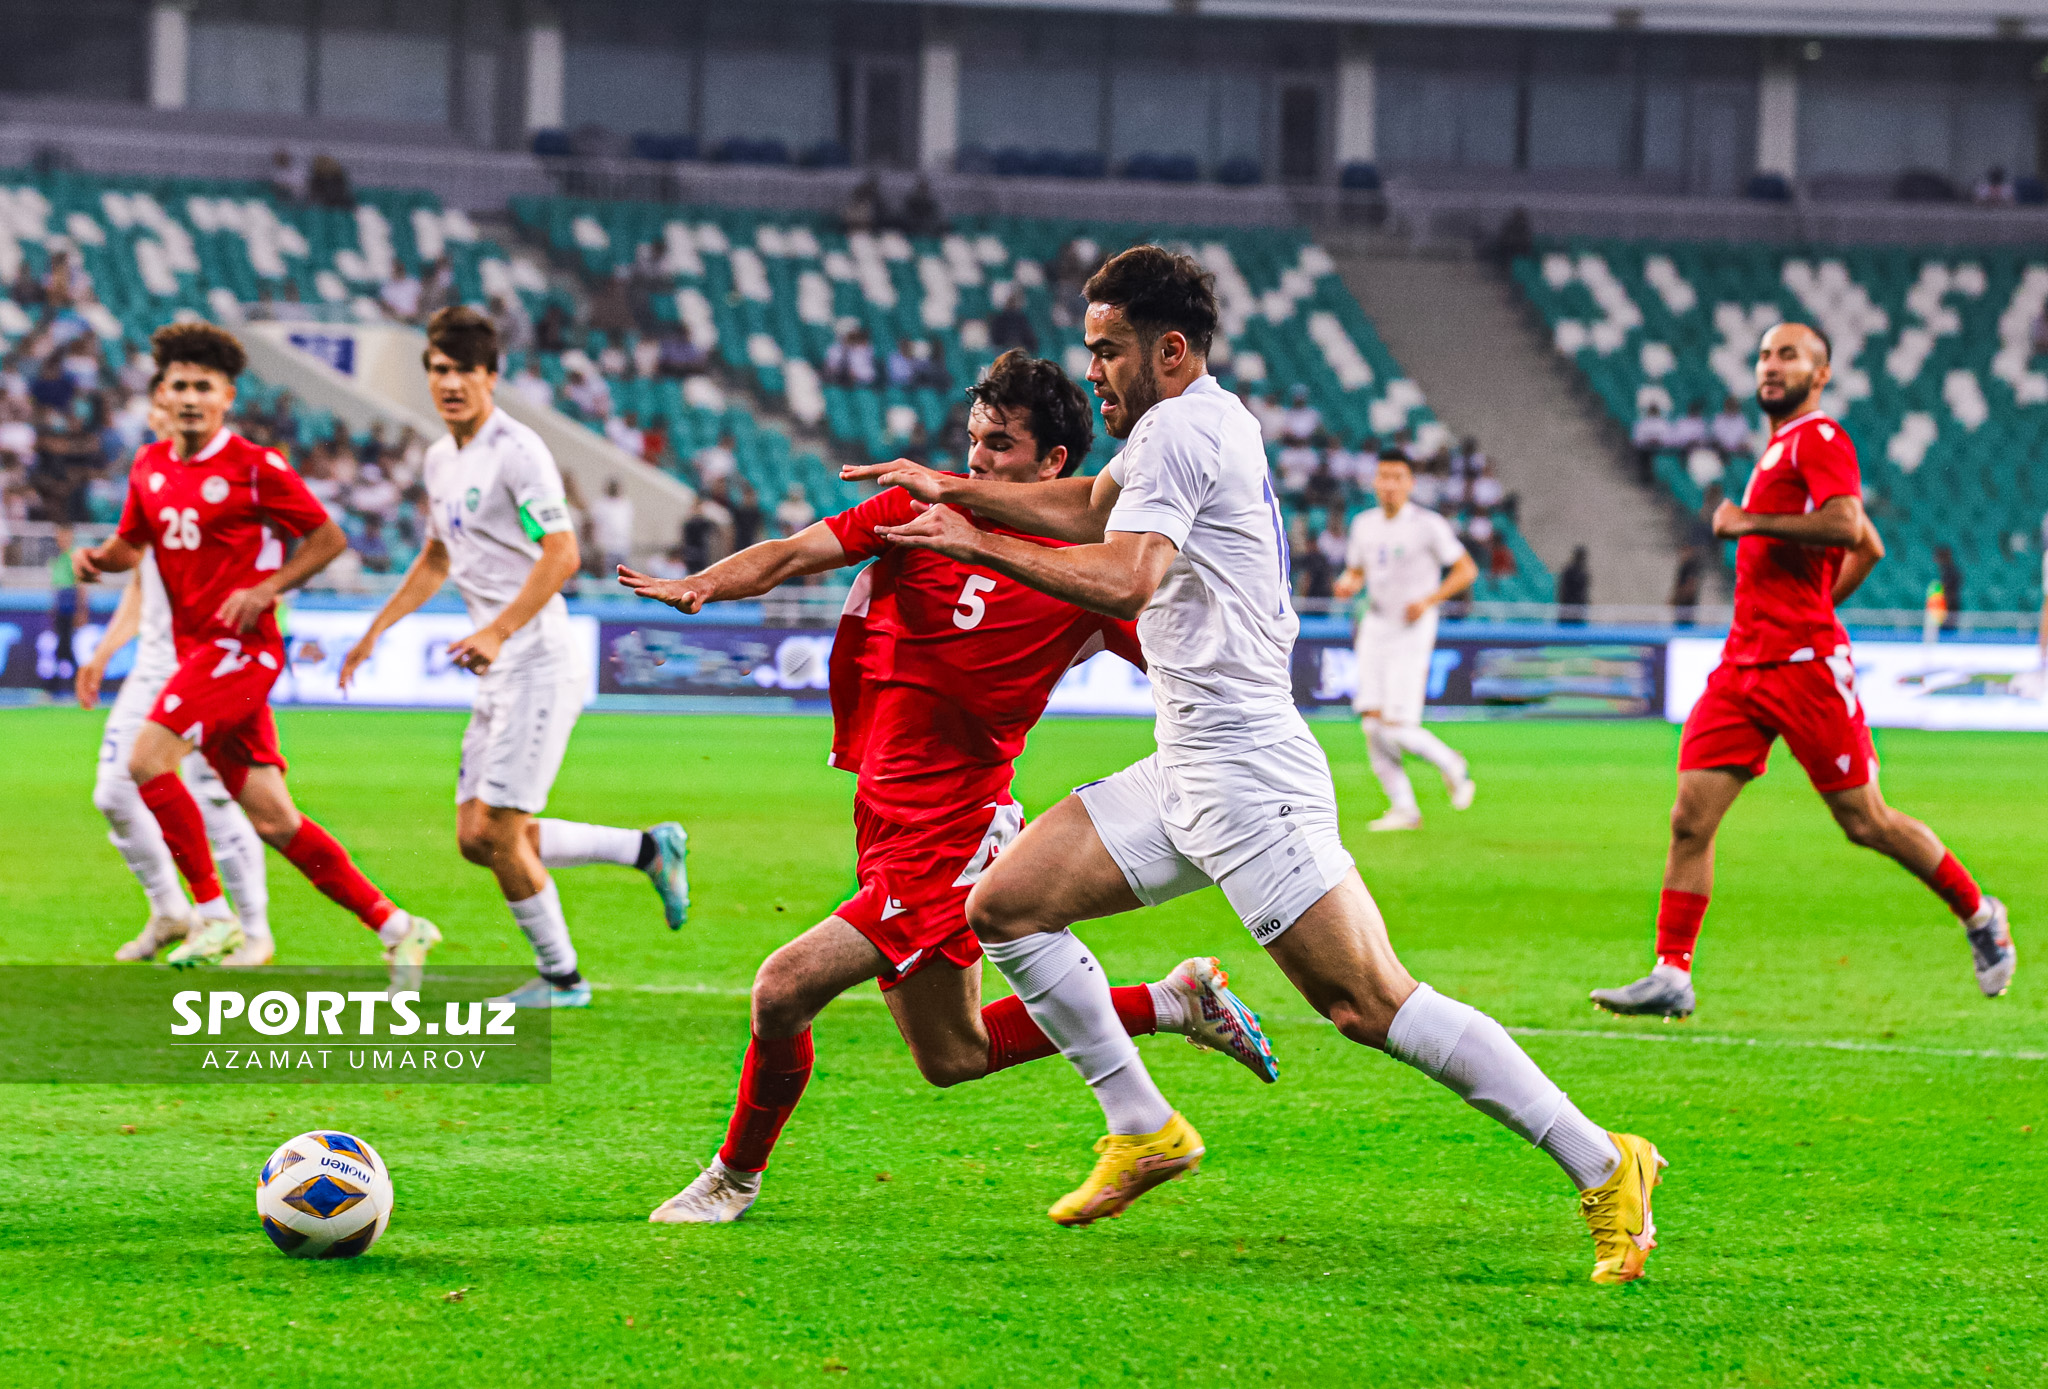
x=150, y=1024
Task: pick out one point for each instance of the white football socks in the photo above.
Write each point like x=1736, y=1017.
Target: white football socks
x=1067, y=995
x=1678, y=973
x=134, y=832
x=540, y=917
x=570, y=844
x=1459, y=1046
x=1385, y=755
x=1169, y=1008
x=1413, y=737
x=238, y=853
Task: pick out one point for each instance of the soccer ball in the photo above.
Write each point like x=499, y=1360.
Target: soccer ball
x=324, y=1195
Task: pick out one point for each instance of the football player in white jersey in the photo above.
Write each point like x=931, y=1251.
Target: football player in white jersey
x=1182, y=532
x=1398, y=553
x=144, y=612
x=499, y=526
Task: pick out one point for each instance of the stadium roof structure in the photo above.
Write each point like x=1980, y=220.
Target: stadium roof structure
x=1958, y=19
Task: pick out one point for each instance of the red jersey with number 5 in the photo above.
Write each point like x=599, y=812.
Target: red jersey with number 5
x=1785, y=592
x=217, y=522
x=940, y=669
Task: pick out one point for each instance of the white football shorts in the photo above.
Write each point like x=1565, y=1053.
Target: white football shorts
x=513, y=746
x=1262, y=826
x=1393, y=667
x=125, y=718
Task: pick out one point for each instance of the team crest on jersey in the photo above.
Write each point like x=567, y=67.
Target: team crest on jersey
x=471, y=498
x=1772, y=455
x=214, y=489
x=1827, y=431
x=156, y=482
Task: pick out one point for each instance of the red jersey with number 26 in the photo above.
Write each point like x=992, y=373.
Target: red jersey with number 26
x=940, y=669
x=217, y=522
x=1785, y=592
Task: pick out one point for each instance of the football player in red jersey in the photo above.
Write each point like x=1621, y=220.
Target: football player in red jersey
x=939, y=670
x=217, y=511
x=1803, y=544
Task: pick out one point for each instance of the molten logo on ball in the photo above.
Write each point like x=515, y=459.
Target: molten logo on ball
x=332, y=1207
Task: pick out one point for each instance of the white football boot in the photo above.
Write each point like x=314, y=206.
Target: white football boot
x=1462, y=791
x=1217, y=1019
x=158, y=932
x=212, y=940
x=1396, y=820
x=1992, y=950
x=407, y=956
x=255, y=951
x=718, y=1196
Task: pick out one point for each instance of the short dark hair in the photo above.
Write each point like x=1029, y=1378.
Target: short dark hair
x=1827, y=344
x=199, y=345
x=1058, y=412
x=465, y=336
x=1396, y=456
x=1159, y=291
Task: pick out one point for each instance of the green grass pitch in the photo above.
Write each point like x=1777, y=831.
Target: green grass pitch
x=1857, y=1194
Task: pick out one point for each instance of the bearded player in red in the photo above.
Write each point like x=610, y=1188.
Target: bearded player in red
x=939, y=670
x=217, y=510
x=1803, y=544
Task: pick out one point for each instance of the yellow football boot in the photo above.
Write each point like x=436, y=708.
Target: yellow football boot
x=1130, y=1166
x=1618, y=1211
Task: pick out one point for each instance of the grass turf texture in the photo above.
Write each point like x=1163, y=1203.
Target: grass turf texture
x=1832, y=1216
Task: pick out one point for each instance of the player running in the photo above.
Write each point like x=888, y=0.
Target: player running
x=216, y=509
x=1182, y=531
x=1803, y=545
x=498, y=524
x=939, y=670
x=1398, y=553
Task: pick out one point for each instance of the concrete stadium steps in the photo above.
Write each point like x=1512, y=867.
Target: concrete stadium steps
x=1461, y=331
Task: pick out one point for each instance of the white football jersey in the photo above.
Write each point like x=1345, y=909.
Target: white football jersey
x=155, y=655
x=1219, y=633
x=490, y=502
x=1403, y=557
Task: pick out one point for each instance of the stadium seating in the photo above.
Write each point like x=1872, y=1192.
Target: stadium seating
x=770, y=292
x=1936, y=378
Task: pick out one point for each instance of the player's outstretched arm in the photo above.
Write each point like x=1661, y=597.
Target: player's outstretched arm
x=121, y=629
x=1857, y=564
x=242, y=608
x=1116, y=577
x=749, y=574
x=112, y=556
x=1068, y=508
x=423, y=579
x=1837, y=524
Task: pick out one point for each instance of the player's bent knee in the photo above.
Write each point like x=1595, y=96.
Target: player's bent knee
x=1358, y=1022
x=948, y=1069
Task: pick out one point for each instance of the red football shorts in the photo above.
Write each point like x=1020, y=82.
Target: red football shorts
x=914, y=881
x=1812, y=705
x=219, y=698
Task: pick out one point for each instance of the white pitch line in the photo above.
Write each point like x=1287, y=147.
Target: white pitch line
x=1786, y=1043
x=1709, y=1039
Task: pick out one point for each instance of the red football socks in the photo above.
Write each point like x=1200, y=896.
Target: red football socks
x=319, y=855
x=1950, y=880
x=1013, y=1038
x=177, y=815
x=1678, y=926
x=771, y=1082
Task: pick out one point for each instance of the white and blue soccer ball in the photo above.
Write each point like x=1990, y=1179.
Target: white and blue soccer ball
x=324, y=1195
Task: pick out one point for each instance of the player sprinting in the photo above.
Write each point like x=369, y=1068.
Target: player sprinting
x=216, y=511
x=1398, y=553
x=1182, y=531
x=498, y=524
x=1803, y=545
x=939, y=670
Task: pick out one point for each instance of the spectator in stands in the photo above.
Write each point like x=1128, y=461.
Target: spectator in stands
x=744, y=506
x=1260, y=402
x=904, y=370
x=63, y=612
x=1685, y=585
x=1730, y=430
x=1994, y=188
x=1484, y=489
x=1077, y=260
x=863, y=210
x=1296, y=464
x=528, y=384
x=1951, y=584
x=68, y=284
x=401, y=296
x=794, y=511
x=1500, y=558
x=1432, y=485
x=287, y=176
x=1355, y=465
x=1324, y=490
x=1648, y=436
x=611, y=303
x=551, y=334
x=27, y=290
x=680, y=355
x=921, y=215
x=851, y=360
x=589, y=392
x=371, y=546
x=716, y=462
x=374, y=494
x=612, y=361
x=624, y=430
x=1705, y=466
x=1009, y=326
x=1334, y=540
x=1574, y=589
x=437, y=290
x=1687, y=431
x=53, y=388
x=514, y=323
x=654, y=441
x=17, y=436
x=327, y=184
x=1302, y=421
x=611, y=528
x=705, y=532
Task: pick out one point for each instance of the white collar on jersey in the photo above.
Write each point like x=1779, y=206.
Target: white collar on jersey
x=213, y=446
x=1794, y=424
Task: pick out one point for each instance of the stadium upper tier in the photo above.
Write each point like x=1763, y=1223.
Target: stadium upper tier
x=1937, y=378
x=780, y=297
